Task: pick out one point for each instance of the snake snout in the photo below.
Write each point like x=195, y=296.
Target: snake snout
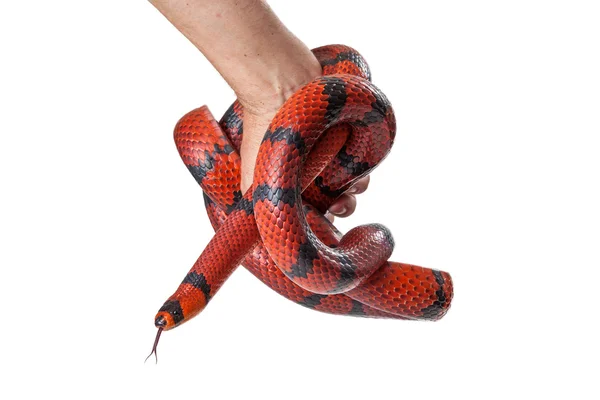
x=160, y=321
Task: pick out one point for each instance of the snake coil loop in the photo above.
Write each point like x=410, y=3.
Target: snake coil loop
x=329, y=134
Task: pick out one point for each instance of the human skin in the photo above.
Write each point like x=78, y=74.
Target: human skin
x=260, y=59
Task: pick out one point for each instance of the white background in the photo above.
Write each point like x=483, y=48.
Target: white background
x=494, y=178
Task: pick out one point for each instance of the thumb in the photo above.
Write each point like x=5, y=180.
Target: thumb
x=254, y=130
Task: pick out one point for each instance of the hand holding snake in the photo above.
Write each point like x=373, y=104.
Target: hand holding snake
x=330, y=133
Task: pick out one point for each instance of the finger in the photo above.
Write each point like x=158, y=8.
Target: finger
x=247, y=177
x=344, y=206
x=329, y=216
x=360, y=186
x=254, y=130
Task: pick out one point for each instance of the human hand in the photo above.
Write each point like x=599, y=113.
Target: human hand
x=261, y=60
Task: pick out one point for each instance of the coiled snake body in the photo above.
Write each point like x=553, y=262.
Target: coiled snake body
x=329, y=134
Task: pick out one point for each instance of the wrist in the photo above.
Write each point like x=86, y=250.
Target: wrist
x=272, y=84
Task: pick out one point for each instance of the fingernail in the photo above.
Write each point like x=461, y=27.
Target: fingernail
x=339, y=212
x=352, y=190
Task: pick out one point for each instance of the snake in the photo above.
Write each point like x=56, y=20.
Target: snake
x=330, y=133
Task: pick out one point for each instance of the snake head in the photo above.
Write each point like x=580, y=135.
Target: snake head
x=177, y=310
x=169, y=316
